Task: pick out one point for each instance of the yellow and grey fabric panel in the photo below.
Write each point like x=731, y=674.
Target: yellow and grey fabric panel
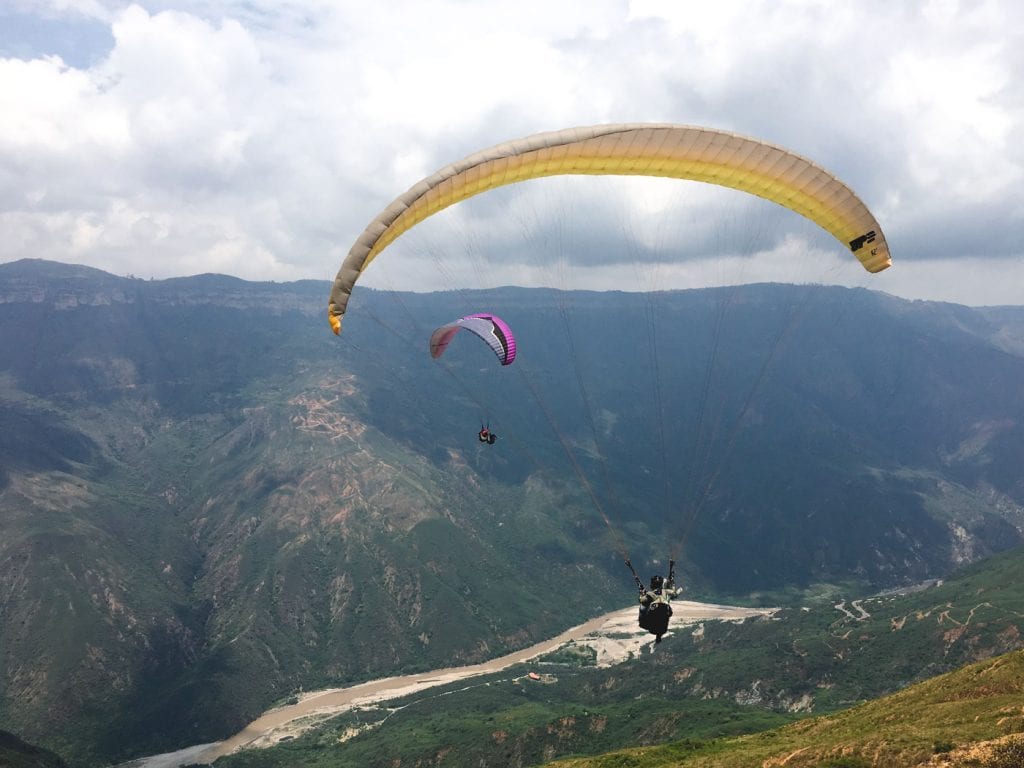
x=676, y=151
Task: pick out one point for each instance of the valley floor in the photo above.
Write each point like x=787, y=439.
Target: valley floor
x=613, y=636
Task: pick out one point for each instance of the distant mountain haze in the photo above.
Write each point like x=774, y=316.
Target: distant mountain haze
x=209, y=501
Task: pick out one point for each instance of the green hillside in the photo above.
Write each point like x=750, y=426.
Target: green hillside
x=703, y=682
x=15, y=753
x=209, y=502
x=940, y=722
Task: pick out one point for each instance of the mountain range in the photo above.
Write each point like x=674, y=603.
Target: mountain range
x=209, y=502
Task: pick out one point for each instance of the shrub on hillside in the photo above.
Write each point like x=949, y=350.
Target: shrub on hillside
x=1008, y=754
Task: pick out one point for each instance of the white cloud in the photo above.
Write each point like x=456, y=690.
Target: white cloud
x=258, y=138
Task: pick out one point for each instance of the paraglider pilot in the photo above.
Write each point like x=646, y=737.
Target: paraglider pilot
x=655, y=606
x=486, y=436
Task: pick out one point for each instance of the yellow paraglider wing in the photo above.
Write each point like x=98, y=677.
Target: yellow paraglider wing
x=676, y=151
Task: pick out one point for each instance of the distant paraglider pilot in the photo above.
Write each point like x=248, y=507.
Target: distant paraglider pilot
x=655, y=603
x=486, y=436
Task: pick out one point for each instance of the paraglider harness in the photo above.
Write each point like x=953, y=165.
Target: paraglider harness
x=485, y=435
x=655, y=607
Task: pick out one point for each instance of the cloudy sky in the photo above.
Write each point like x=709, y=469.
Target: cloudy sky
x=258, y=137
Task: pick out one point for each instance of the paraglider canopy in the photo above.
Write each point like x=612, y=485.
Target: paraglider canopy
x=638, y=149
x=490, y=328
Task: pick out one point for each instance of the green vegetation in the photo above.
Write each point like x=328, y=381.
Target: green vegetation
x=979, y=703
x=209, y=503
x=502, y=721
x=798, y=662
x=15, y=753
x=572, y=654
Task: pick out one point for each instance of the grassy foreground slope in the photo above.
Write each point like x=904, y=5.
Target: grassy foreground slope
x=934, y=723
